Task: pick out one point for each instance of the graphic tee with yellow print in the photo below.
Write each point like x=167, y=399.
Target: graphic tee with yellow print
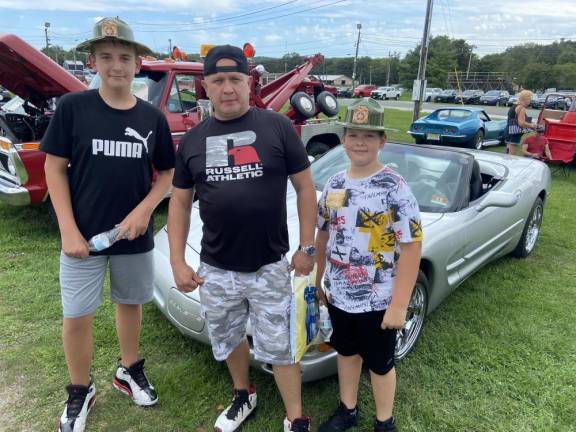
x=366, y=219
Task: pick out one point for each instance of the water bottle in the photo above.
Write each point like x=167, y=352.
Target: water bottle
x=103, y=240
x=325, y=325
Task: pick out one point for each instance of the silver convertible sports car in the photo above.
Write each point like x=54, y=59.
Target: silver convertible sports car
x=476, y=206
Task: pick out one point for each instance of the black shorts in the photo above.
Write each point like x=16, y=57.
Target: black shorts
x=360, y=333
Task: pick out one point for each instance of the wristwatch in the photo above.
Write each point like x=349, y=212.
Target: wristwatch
x=308, y=250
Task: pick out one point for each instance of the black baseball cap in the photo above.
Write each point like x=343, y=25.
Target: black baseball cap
x=225, y=52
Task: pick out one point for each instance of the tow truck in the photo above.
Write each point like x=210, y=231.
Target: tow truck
x=172, y=86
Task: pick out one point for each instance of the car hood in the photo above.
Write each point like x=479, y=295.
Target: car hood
x=489, y=97
x=33, y=76
x=195, y=233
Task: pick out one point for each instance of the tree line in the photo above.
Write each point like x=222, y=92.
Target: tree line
x=529, y=65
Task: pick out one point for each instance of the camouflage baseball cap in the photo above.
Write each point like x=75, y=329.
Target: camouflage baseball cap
x=113, y=29
x=365, y=113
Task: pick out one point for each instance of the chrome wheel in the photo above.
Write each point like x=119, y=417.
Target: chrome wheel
x=533, y=228
x=406, y=337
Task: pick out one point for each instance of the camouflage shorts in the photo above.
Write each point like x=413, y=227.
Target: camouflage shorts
x=229, y=298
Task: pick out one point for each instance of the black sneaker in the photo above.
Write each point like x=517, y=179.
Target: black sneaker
x=301, y=424
x=133, y=382
x=80, y=401
x=385, y=426
x=342, y=419
x=243, y=404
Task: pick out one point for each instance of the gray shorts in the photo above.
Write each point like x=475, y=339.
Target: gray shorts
x=228, y=298
x=82, y=280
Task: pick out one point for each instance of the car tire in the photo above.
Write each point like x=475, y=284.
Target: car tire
x=531, y=230
x=477, y=140
x=317, y=148
x=327, y=103
x=407, y=337
x=303, y=104
x=397, y=97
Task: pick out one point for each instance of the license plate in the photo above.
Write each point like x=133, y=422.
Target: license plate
x=434, y=137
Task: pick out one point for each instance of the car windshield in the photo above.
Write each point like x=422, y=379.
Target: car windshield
x=447, y=92
x=493, y=93
x=436, y=177
x=453, y=115
x=147, y=85
x=469, y=92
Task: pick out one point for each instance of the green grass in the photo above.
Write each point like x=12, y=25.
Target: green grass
x=498, y=355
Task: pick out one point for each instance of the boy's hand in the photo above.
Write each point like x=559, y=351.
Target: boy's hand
x=75, y=245
x=187, y=280
x=394, y=318
x=135, y=224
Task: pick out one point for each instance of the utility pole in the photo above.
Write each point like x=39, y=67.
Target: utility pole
x=359, y=27
x=469, y=61
x=170, y=47
x=388, y=73
x=46, y=25
x=423, y=58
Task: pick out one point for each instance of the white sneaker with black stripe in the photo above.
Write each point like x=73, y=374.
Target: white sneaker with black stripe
x=80, y=401
x=133, y=382
x=242, y=406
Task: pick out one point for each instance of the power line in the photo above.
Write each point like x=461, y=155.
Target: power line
x=200, y=28
x=230, y=17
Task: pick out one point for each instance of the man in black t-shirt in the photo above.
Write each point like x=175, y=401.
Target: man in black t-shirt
x=238, y=163
x=102, y=146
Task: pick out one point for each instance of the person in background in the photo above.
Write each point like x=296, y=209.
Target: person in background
x=518, y=122
x=536, y=146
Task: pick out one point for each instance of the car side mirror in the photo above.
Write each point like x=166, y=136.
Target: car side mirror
x=497, y=199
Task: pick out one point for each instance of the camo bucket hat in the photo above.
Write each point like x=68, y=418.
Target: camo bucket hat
x=365, y=113
x=113, y=29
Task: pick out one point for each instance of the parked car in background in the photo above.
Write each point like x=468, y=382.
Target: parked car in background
x=553, y=101
x=385, y=93
x=364, y=90
x=475, y=207
x=495, y=97
x=458, y=126
x=512, y=100
x=431, y=93
x=470, y=97
x=344, y=92
x=447, y=96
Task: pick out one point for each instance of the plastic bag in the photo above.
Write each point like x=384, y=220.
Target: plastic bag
x=304, y=315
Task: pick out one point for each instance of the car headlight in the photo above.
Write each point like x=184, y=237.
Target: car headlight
x=11, y=166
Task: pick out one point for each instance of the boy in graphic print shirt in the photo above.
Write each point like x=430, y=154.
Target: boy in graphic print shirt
x=101, y=147
x=369, y=245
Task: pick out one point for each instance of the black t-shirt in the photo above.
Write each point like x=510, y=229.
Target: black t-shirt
x=239, y=169
x=112, y=153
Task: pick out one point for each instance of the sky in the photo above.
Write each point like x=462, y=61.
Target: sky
x=276, y=27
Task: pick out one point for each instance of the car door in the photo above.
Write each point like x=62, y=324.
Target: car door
x=180, y=104
x=487, y=232
x=491, y=129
